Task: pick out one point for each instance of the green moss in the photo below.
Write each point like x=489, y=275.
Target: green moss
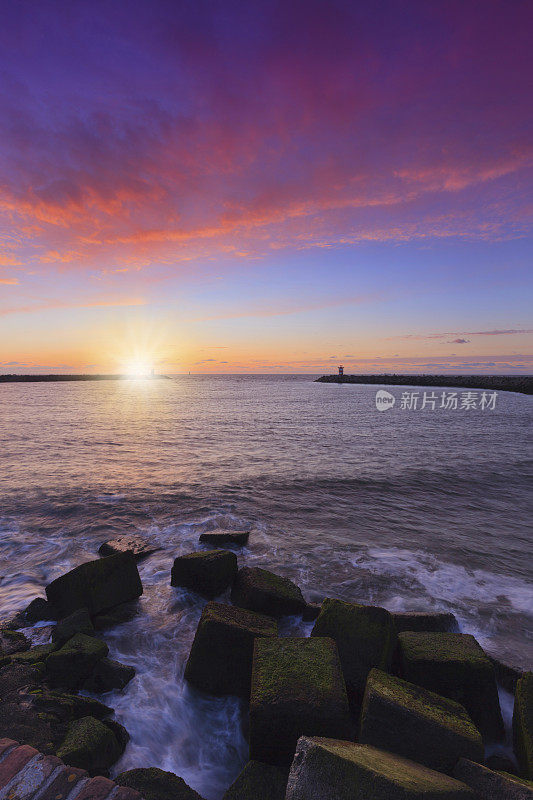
x=258, y=782
x=260, y=590
x=90, y=745
x=303, y=665
x=73, y=663
x=155, y=784
x=523, y=724
x=208, y=572
x=34, y=655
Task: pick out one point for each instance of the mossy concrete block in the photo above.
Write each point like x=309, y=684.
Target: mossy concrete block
x=258, y=782
x=490, y=785
x=72, y=664
x=220, y=661
x=208, y=572
x=437, y=622
x=155, y=784
x=90, y=745
x=297, y=689
x=77, y=622
x=108, y=675
x=327, y=768
x=116, y=616
x=129, y=542
x=225, y=537
x=35, y=655
x=96, y=585
x=417, y=724
x=260, y=590
x=523, y=724
x=455, y=666
x=365, y=637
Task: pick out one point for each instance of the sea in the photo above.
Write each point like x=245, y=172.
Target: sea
x=424, y=505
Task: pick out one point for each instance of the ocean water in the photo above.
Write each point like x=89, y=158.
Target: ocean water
x=411, y=509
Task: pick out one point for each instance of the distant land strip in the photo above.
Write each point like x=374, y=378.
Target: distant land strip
x=494, y=383
x=50, y=378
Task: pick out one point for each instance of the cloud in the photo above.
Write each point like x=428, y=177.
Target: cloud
x=459, y=341
x=52, y=305
x=421, y=336
x=9, y=281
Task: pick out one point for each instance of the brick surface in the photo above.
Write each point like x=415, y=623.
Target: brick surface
x=5, y=745
x=62, y=784
x=96, y=789
x=15, y=761
x=125, y=793
x=27, y=782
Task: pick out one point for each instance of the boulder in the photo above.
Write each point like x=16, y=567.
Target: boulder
x=455, y=666
x=65, y=706
x=438, y=622
x=115, y=616
x=328, y=768
x=297, y=689
x=77, y=622
x=260, y=590
x=91, y=745
x=12, y=642
x=258, y=782
x=35, y=655
x=37, y=611
x=108, y=675
x=225, y=537
x=119, y=731
x=128, y=543
x=96, y=585
x=417, y=724
x=155, y=784
x=523, y=724
x=489, y=785
x=72, y=664
x=16, y=676
x=208, y=572
x=220, y=661
x=365, y=637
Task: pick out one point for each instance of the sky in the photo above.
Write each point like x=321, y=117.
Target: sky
x=266, y=186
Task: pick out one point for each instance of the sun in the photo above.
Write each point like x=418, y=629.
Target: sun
x=138, y=369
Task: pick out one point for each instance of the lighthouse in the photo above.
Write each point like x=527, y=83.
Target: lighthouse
x=341, y=371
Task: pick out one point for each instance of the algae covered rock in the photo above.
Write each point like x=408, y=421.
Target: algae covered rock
x=12, y=642
x=108, y=675
x=96, y=585
x=72, y=664
x=155, y=784
x=65, y=706
x=225, y=537
x=91, y=745
x=455, y=666
x=220, y=661
x=486, y=783
x=438, y=622
x=77, y=622
x=130, y=542
x=365, y=637
x=327, y=768
x=258, y=782
x=523, y=724
x=417, y=724
x=260, y=590
x=35, y=655
x=208, y=572
x=297, y=689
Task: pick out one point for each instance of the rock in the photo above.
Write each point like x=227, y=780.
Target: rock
x=16, y=676
x=108, y=675
x=326, y=769
x=523, y=724
x=155, y=784
x=29, y=726
x=417, y=724
x=499, y=762
x=438, y=622
x=115, y=616
x=258, y=782
x=12, y=642
x=37, y=611
x=96, y=585
x=67, y=707
x=128, y=543
x=260, y=590
x=208, y=572
x=225, y=537
x=72, y=664
x=365, y=637
x=455, y=666
x=77, y=622
x=297, y=689
x=35, y=655
x=119, y=731
x=220, y=661
x=90, y=745
x=489, y=785
x=311, y=612
x=507, y=675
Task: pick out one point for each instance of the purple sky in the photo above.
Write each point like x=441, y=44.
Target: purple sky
x=266, y=186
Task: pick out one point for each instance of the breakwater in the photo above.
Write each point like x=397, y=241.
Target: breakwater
x=59, y=378
x=500, y=383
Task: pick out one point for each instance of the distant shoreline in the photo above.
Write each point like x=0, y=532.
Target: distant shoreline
x=59, y=378
x=495, y=383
